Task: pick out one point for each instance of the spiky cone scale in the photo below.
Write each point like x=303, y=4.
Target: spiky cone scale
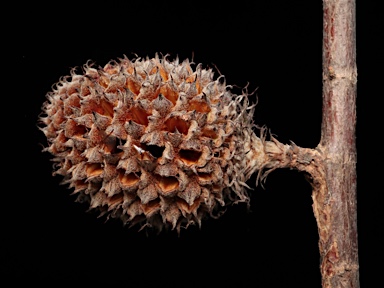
x=152, y=141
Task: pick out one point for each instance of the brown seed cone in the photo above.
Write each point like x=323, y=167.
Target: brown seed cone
x=152, y=141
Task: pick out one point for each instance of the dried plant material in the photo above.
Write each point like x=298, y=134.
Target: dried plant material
x=151, y=141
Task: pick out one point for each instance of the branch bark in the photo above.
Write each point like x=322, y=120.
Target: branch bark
x=332, y=165
x=337, y=215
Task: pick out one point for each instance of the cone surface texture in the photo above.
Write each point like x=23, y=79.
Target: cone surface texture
x=151, y=141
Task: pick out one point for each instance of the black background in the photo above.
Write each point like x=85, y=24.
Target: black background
x=275, y=46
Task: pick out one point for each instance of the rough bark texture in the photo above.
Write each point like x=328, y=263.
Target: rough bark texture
x=332, y=165
x=336, y=211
